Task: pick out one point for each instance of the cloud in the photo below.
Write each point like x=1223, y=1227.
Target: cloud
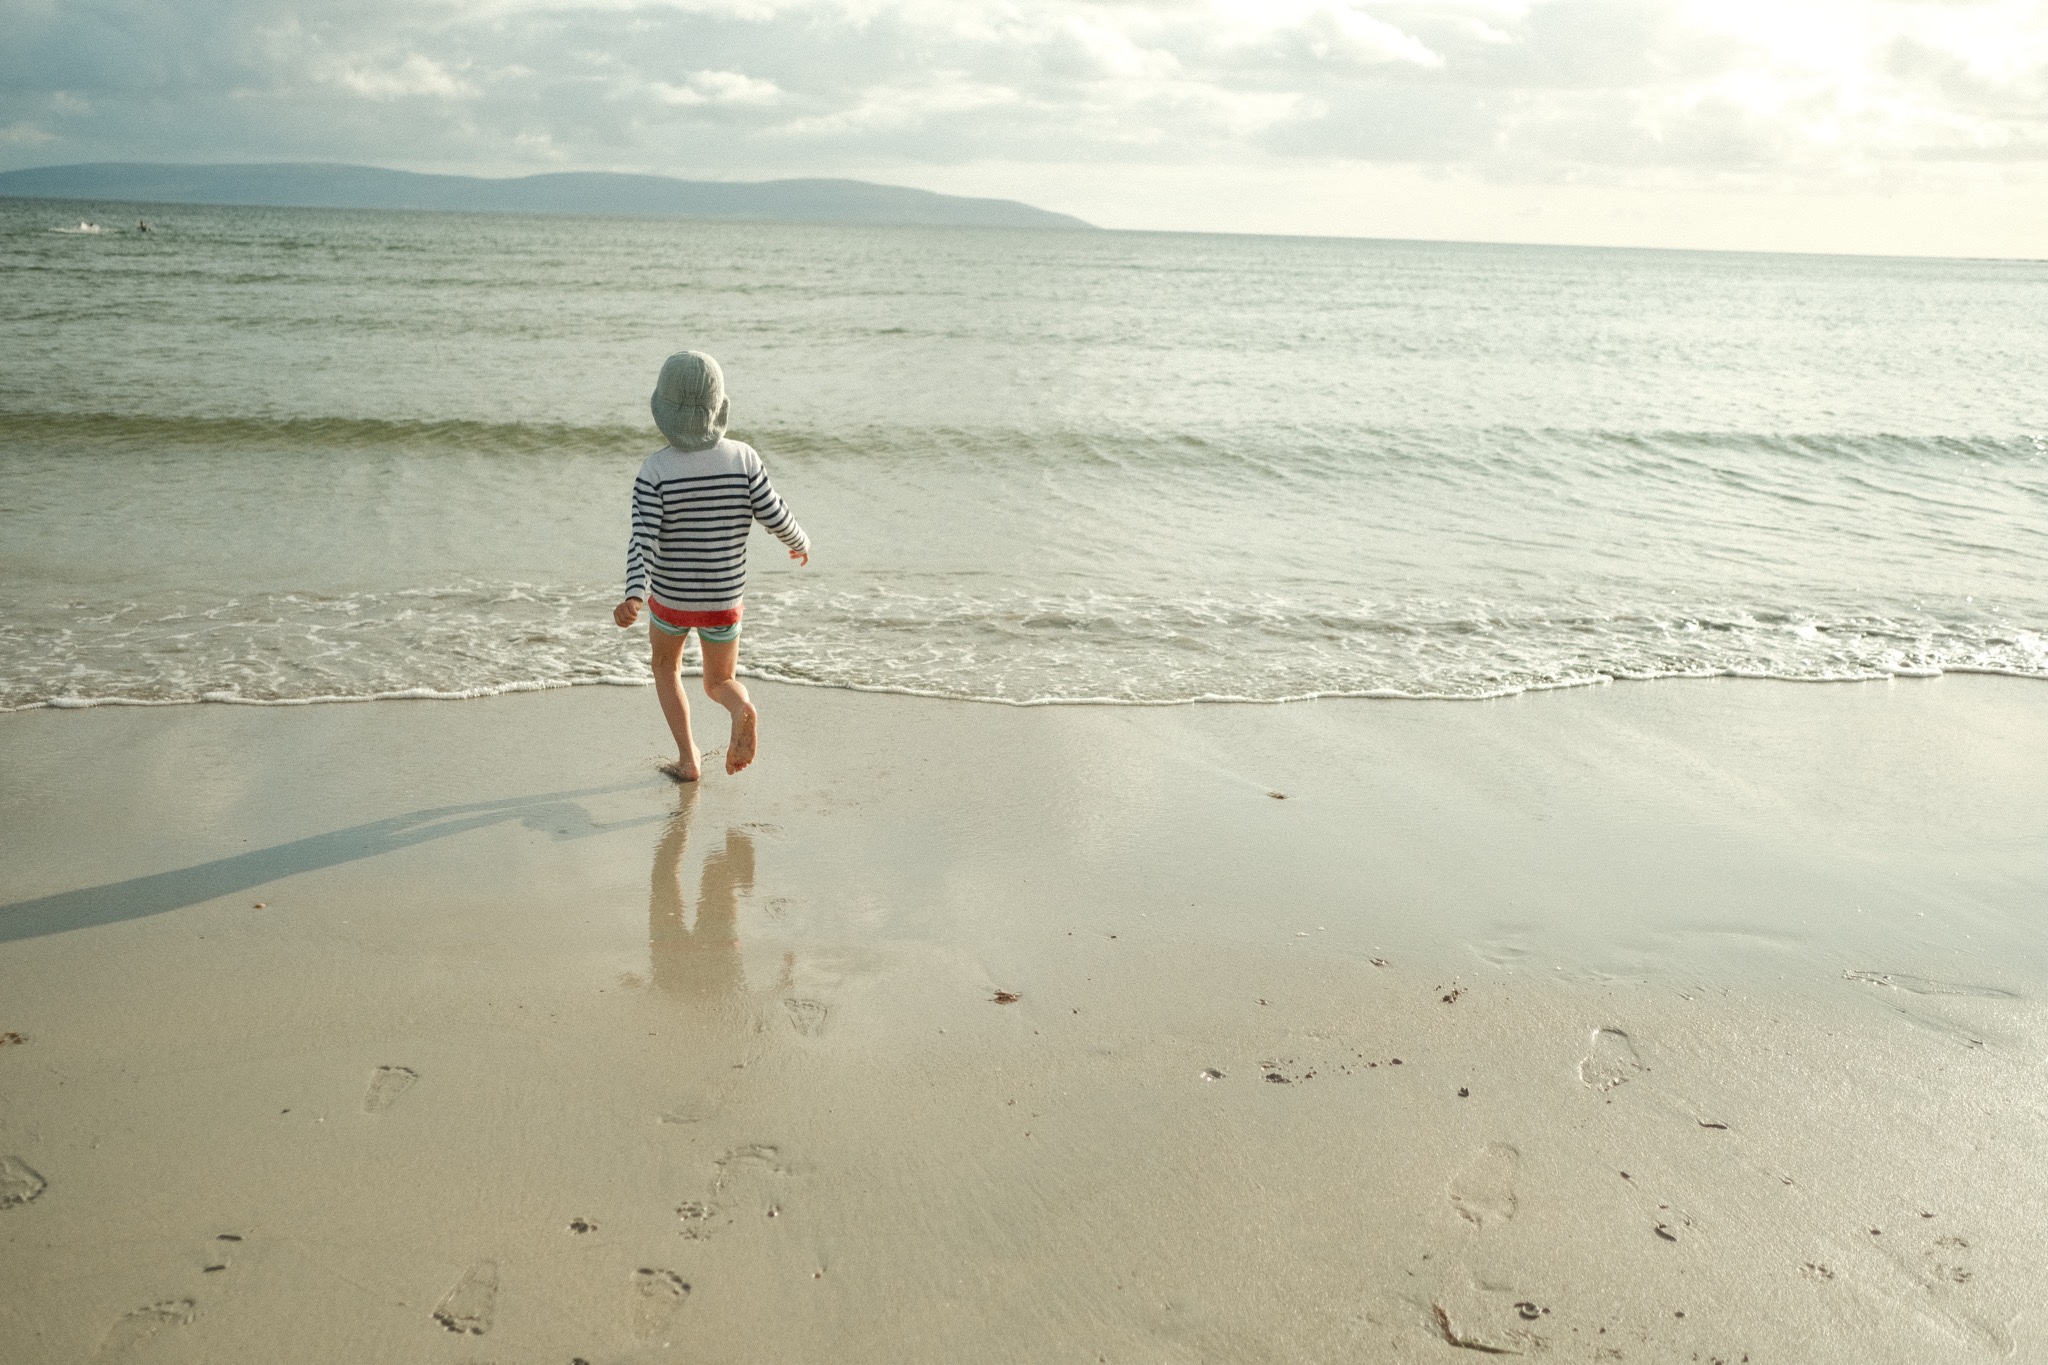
x=717, y=87
x=1322, y=31
x=1649, y=92
x=409, y=76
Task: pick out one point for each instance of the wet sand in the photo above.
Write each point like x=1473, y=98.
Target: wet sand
x=1649, y=1023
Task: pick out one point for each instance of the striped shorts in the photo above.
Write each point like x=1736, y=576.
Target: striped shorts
x=715, y=627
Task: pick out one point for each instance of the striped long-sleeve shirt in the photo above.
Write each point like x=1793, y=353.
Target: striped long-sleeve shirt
x=692, y=510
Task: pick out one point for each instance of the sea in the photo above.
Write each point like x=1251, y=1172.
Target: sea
x=292, y=456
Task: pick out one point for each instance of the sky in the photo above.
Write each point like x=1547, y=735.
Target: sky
x=1807, y=125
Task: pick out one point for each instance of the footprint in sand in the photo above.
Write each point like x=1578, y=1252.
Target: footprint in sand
x=1920, y=985
x=1945, y=1265
x=698, y=1218
x=144, y=1323
x=1946, y=1275
x=1484, y=1192
x=468, y=1305
x=1610, y=1061
x=693, y=1107
x=746, y=1181
x=751, y=1175
x=19, y=1182
x=1937, y=1286
x=656, y=1296
x=386, y=1085
x=1508, y=948
x=807, y=1017
x=752, y=1159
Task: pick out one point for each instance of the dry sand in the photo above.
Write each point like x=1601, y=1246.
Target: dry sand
x=1655, y=1023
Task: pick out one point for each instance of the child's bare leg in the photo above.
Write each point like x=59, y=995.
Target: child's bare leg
x=720, y=661
x=675, y=707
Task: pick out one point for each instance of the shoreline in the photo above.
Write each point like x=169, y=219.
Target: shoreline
x=1374, y=694
x=1717, y=1014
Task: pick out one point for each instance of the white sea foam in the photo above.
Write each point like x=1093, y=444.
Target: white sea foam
x=78, y=703
x=1203, y=699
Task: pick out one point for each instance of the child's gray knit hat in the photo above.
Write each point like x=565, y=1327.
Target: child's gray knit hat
x=689, y=401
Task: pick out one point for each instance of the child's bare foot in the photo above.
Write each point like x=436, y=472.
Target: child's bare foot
x=740, y=752
x=683, y=772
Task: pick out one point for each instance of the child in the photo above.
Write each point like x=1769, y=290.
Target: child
x=694, y=502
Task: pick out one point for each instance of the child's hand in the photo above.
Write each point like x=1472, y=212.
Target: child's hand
x=801, y=556
x=627, y=612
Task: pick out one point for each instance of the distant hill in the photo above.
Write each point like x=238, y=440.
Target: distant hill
x=326, y=185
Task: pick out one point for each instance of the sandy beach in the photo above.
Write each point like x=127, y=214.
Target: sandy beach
x=1653, y=1022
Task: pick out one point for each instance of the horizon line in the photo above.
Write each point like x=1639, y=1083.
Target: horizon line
x=918, y=189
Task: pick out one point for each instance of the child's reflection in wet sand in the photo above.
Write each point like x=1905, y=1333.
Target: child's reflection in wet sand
x=699, y=960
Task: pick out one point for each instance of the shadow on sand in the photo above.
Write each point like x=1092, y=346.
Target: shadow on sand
x=554, y=814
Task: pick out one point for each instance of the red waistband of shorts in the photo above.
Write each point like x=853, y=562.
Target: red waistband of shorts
x=669, y=615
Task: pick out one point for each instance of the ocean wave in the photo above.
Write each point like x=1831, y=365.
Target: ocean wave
x=112, y=432
x=1326, y=448
x=1060, y=565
